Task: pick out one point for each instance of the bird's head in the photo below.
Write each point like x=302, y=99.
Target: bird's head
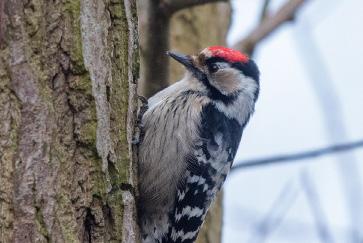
x=224, y=72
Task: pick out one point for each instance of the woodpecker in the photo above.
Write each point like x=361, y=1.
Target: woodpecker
x=191, y=132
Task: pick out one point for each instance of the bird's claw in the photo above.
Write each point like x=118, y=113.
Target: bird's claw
x=140, y=133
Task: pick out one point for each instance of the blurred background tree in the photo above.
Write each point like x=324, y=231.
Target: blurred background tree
x=191, y=30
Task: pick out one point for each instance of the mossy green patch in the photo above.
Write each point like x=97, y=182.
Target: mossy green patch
x=39, y=221
x=115, y=205
x=116, y=10
x=88, y=133
x=82, y=83
x=67, y=220
x=119, y=92
x=73, y=8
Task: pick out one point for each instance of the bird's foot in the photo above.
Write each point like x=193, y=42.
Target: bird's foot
x=139, y=135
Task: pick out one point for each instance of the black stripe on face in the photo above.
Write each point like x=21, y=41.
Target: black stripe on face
x=249, y=69
x=213, y=60
x=213, y=92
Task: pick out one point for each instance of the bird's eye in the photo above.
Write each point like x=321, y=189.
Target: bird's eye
x=213, y=68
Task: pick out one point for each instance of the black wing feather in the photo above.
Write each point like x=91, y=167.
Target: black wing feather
x=220, y=137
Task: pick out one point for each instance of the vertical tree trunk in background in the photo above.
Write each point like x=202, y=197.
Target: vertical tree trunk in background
x=192, y=30
x=68, y=73
x=154, y=28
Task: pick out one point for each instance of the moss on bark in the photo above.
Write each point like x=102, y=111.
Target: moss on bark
x=55, y=177
x=9, y=124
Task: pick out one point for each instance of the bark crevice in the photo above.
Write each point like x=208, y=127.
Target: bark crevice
x=53, y=167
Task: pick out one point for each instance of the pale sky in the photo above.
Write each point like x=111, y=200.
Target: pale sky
x=289, y=118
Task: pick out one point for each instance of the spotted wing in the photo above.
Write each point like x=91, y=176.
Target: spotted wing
x=208, y=165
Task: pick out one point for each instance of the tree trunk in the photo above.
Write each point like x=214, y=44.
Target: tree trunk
x=68, y=73
x=194, y=29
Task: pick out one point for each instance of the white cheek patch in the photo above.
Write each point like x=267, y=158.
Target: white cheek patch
x=227, y=80
x=239, y=110
x=249, y=86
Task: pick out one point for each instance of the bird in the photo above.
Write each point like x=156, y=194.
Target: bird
x=191, y=132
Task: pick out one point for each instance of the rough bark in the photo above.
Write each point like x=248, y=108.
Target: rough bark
x=268, y=24
x=68, y=73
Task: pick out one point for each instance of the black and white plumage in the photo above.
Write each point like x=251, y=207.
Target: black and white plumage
x=192, y=130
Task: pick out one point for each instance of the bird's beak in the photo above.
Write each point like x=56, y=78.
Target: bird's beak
x=183, y=59
x=187, y=61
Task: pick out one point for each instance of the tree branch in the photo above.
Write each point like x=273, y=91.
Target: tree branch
x=268, y=25
x=264, y=11
x=172, y=6
x=276, y=213
x=298, y=156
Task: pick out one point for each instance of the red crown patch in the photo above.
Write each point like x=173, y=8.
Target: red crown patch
x=228, y=54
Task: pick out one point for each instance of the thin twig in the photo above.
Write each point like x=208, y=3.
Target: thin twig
x=172, y=6
x=328, y=96
x=276, y=214
x=269, y=25
x=298, y=156
x=321, y=223
x=292, y=228
x=264, y=11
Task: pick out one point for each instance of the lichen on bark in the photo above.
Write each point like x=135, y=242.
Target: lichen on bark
x=9, y=123
x=59, y=180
